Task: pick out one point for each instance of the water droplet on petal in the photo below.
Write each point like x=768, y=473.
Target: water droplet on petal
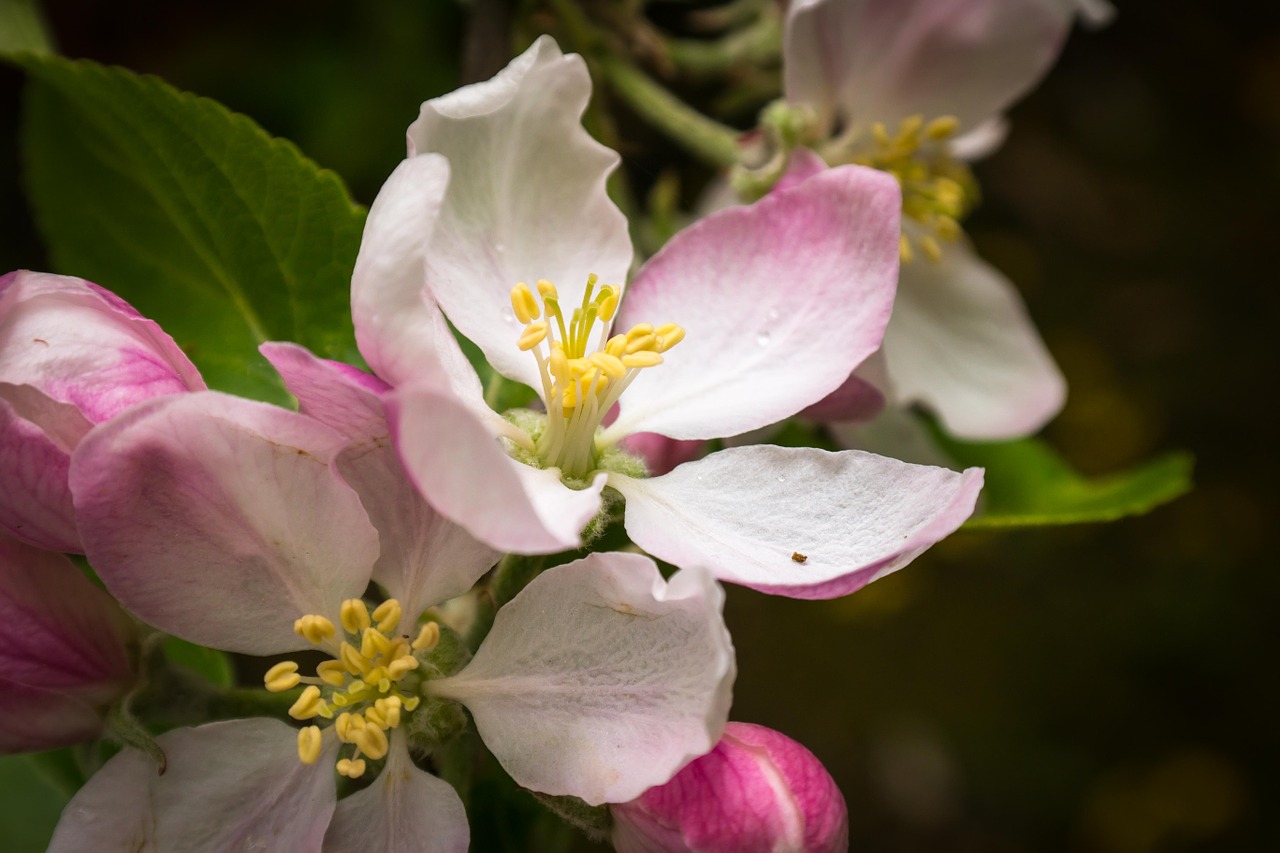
x=508, y=316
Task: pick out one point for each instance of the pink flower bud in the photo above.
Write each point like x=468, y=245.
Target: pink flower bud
x=758, y=790
x=660, y=453
x=72, y=355
x=64, y=651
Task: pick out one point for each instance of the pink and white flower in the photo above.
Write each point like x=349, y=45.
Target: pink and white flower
x=758, y=791
x=742, y=320
x=71, y=355
x=916, y=87
x=66, y=651
x=226, y=522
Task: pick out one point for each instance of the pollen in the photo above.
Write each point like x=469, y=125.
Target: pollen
x=583, y=369
x=365, y=690
x=938, y=190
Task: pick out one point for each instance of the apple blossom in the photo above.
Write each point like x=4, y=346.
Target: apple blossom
x=743, y=319
x=71, y=355
x=916, y=88
x=758, y=791
x=66, y=651
x=226, y=522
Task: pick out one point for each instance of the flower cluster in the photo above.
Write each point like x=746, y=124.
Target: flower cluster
x=419, y=567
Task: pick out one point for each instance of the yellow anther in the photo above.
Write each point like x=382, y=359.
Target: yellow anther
x=616, y=346
x=411, y=703
x=547, y=290
x=609, y=304
x=309, y=744
x=390, y=709
x=374, y=643
x=377, y=676
x=398, y=667
x=946, y=228
x=332, y=672
x=641, y=343
x=642, y=359
x=314, y=629
x=904, y=249
x=533, y=334
x=375, y=718
x=372, y=741
x=428, y=636
x=282, y=676
x=355, y=663
x=387, y=615
x=639, y=330
x=351, y=769
x=340, y=700
x=354, y=615
x=941, y=127
x=910, y=127
x=342, y=726
x=669, y=335
x=559, y=365
x=880, y=133
x=524, y=303
x=609, y=365
x=308, y=704
x=930, y=247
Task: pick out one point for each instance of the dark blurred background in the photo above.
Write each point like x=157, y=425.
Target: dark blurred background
x=1097, y=688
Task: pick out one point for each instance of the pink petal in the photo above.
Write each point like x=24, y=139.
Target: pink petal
x=796, y=521
x=526, y=201
x=780, y=301
x=425, y=559
x=35, y=503
x=758, y=791
x=234, y=785
x=961, y=343
x=660, y=453
x=464, y=472
x=404, y=810
x=884, y=60
x=219, y=520
x=33, y=719
x=600, y=679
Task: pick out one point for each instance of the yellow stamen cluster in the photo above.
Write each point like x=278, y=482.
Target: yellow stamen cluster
x=937, y=189
x=581, y=382
x=361, y=688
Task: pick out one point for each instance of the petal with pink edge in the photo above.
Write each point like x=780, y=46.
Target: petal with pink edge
x=796, y=521
x=464, y=472
x=527, y=199
x=600, y=679
x=82, y=345
x=404, y=810
x=885, y=60
x=961, y=343
x=219, y=519
x=780, y=301
x=235, y=785
x=35, y=503
x=425, y=559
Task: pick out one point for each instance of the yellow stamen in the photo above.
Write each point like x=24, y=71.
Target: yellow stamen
x=534, y=334
x=428, y=636
x=372, y=741
x=351, y=769
x=354, y=616
x=309, y=744
x=931, y=249
x=331, y=672
x=314, y=629
x=642, y=359
x=524, y=304
x=942, y=127
x=308, y=704
x=387, y=615
x=283, y=676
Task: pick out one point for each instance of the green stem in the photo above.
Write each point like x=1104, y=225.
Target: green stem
x=753, y=45
x=706, y=138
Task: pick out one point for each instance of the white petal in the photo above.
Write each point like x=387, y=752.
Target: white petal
x=527, y=199
x=884, y=60
x=404, y=810
x=235, y=785
x=219, y=519
x=961, y=343
x=399, y=327
x=796, y=521
x=458, y=464
x=780, y=301
x=600, y=680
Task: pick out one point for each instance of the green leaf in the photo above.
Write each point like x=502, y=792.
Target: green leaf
x=22, y=28
x=211, y=664
x=1029, y=485
x=29, y=805
x=222, y=234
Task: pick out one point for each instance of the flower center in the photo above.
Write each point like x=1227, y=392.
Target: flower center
x=365, y=690
x=581, y=382
x=938, y=190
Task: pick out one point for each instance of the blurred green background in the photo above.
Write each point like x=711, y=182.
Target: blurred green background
x=1100, y=688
